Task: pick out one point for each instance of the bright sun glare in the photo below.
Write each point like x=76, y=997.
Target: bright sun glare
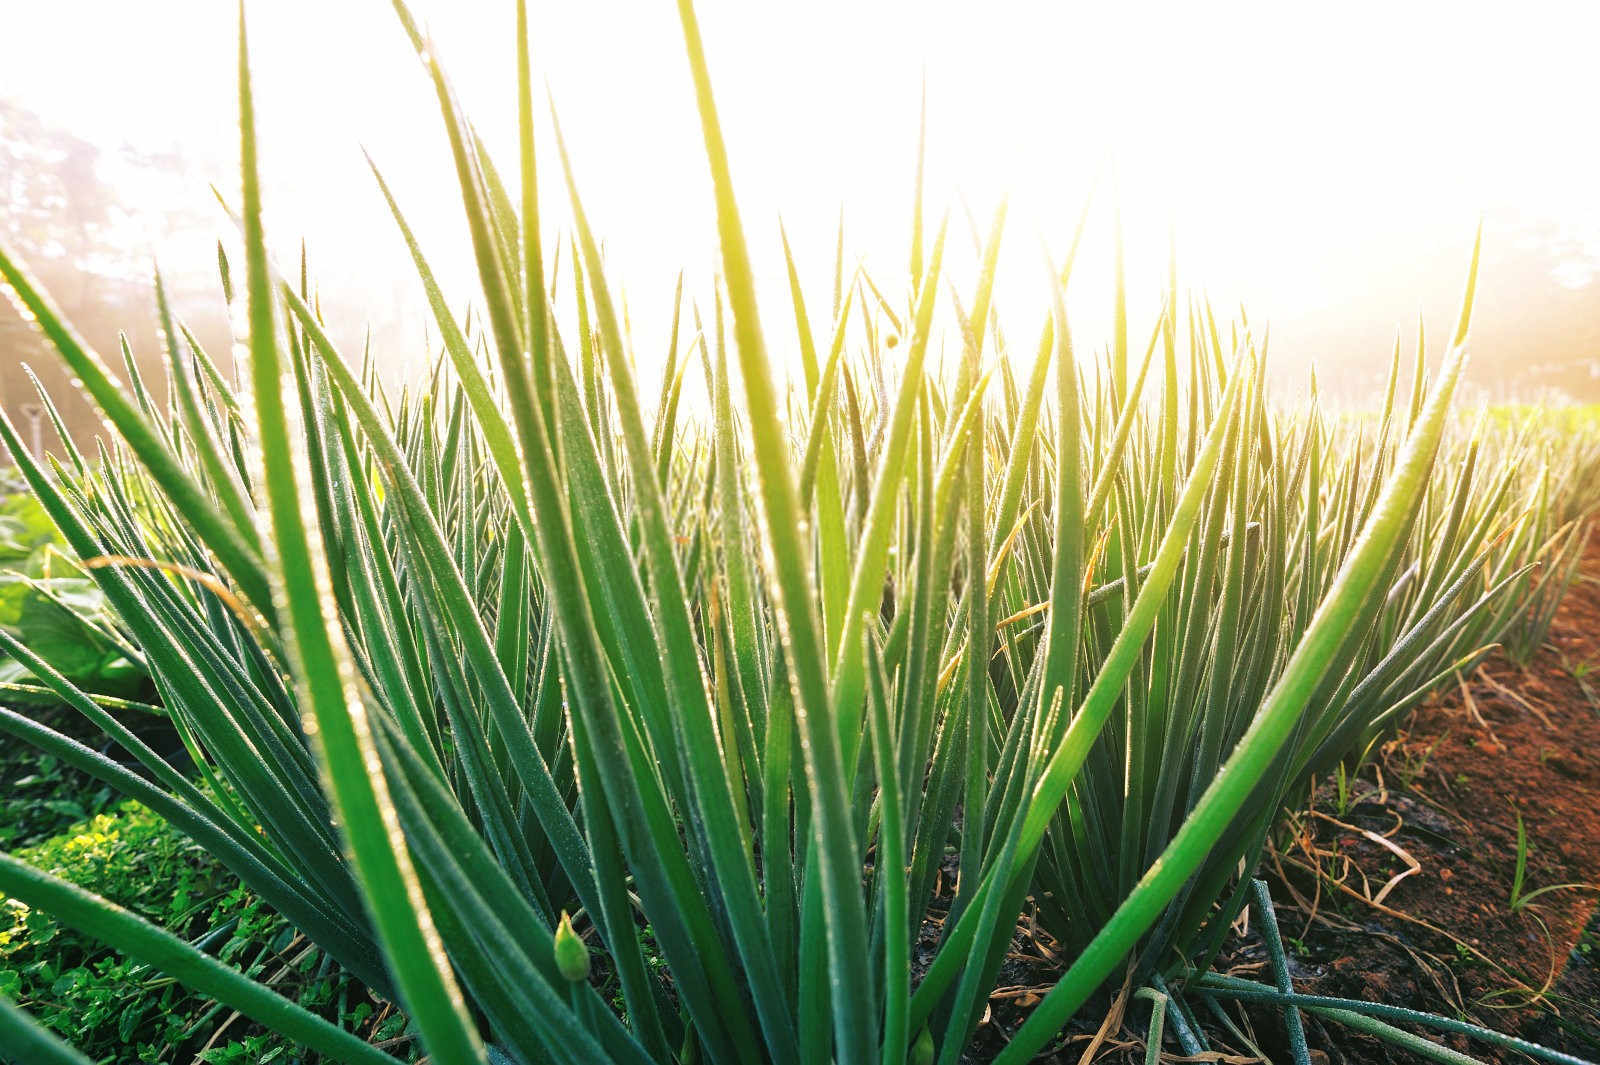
x=1301, y=156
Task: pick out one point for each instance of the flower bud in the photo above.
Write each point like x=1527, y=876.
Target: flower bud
x=922, y=1049
x=572, y=957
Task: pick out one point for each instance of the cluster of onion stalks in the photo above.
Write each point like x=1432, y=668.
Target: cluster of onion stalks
x=457, y=662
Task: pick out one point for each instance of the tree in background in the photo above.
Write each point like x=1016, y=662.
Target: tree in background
x=87, y=219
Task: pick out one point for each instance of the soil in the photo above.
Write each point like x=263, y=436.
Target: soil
x=1447, y=791
x=1400, y=890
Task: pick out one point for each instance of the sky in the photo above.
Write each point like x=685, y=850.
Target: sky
x=1310, y=161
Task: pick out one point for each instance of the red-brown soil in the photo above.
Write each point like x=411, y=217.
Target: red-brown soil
x=1447, y=791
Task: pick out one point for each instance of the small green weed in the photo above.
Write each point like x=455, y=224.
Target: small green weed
x=1519, y=900
x=118, y=1010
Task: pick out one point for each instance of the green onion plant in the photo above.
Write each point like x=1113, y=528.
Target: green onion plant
x=531, y=638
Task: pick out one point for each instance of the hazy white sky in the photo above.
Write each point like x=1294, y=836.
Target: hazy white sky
x=1305, y=155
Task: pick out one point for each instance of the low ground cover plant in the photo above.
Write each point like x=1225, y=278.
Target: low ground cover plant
x=590, y=733
x=119, y=1009
x=41, y=796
